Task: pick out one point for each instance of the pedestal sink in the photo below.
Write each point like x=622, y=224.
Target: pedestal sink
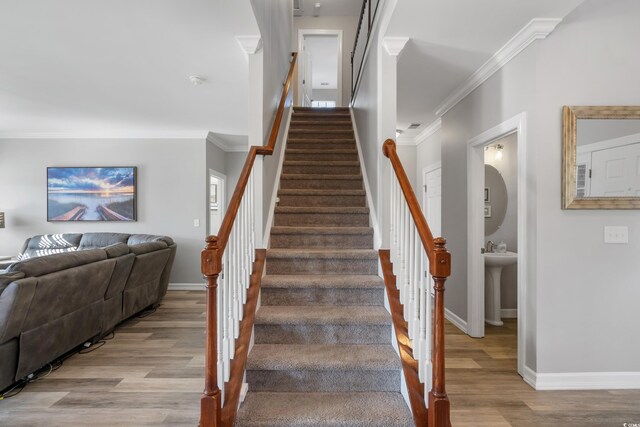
x=493, y=264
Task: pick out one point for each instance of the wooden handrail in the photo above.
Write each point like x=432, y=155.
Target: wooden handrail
x=211, y=410
x=440, y=269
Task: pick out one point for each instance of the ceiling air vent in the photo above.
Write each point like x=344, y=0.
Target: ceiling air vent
x=414, y=125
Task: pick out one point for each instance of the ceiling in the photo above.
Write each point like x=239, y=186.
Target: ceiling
x=76, y=66
x=330, y=7
x=449, y=41
x=324, y=57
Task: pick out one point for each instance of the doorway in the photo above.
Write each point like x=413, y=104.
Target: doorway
x=216, y=201
x=320, y=68
x=479, y=206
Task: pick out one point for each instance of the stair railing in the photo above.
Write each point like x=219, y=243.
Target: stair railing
x=227, y=263
x=363, y=34
x=411, y=239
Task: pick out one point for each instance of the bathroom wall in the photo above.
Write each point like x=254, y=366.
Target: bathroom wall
x=508, y=230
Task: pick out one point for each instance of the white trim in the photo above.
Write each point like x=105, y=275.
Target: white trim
x=529, y=376
x=377, y=236
x=456, y=320
x=250, y=45
x=509, y=313
x=222, y=205
x=211, y=137
x=394, y=45
x=588, y=381
x=309, y=32
x=187, y=286
x=536, y=29
x=106, y=134
x=431, y=168
x=276, y=187
x=475, y=227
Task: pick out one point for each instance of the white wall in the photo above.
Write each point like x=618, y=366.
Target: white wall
x=325, y=95
x=588, y=291
x=171, y=191
x=582, y=294
x=348, y=25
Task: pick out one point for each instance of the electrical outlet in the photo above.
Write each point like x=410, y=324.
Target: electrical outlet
x=196, y=223
x=616, y=234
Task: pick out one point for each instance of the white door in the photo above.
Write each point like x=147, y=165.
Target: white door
x=616, y=171
x=216, y=201
x=307, y=76
x=432, y=202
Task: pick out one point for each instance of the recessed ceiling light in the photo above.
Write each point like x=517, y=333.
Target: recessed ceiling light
x=197, y=80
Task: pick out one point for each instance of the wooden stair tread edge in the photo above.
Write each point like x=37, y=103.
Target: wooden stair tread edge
x=322, y=315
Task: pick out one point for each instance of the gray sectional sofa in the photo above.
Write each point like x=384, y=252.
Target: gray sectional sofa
x=69, y=289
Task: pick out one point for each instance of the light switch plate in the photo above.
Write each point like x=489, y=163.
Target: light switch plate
x=616, y=234
x=196, y=223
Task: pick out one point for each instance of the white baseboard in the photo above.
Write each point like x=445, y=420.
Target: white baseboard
x=186, y=286
x=529, y=377
x=456, y=320
x=583, y=380
x=509, y=313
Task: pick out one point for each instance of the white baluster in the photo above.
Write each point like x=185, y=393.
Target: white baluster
x=407, y=255
x=417, y=254
x=392, y=222
x=410, y=280
x=424, y=289
x=220, y=333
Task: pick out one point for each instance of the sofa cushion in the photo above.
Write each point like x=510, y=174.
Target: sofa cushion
x=101, y=240
x=7, y=278
x=135, y=239
x=49, y=244
x=143, y=248
x=36, y=267
x=116, y=250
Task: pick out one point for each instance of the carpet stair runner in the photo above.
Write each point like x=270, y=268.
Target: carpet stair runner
x=322, y=355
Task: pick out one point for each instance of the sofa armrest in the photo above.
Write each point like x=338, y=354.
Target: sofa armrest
x=15, y=301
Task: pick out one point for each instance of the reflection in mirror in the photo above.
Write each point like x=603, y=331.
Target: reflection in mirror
x=601, y=157
x=607, y=158
x=498, y=190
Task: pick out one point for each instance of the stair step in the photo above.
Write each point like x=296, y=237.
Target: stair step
x=322, y=198
x=320, y=134
x=311, y=181
x=321, y=216
x=322, y=261
x=318, y=290
x=326, y=167
x=322, y=290
x=341, y=110
x=341, y=116
x=366, y=409
x=329, y=154
x=322, y=237
x=322, y=325
x=320, y=124
x=321, y=367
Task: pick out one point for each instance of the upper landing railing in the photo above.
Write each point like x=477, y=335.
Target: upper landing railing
x=363, y=34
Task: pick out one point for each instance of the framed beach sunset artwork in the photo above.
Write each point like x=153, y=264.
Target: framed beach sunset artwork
x=91, y=194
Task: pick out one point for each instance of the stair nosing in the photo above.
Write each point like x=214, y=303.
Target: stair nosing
x=266, y=315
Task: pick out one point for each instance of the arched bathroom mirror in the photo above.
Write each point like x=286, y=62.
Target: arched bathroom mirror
x=496, y=193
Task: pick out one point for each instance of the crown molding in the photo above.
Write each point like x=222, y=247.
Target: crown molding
x=536, y=29
x=394, y=45
x=250, y=44
x=107, y=134
x=429, y=131
x=229, y=148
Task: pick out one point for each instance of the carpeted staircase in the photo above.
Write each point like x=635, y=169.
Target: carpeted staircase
x=322, y=355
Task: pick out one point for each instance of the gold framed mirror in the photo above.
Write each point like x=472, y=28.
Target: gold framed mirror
x=601, y=157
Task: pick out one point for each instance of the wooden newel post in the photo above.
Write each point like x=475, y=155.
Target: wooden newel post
x=438, y=413
x=211, y=403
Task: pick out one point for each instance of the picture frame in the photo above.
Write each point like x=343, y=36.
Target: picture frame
x=92, y=194
x=487, y=211
x=487, y=195
x=213, y=202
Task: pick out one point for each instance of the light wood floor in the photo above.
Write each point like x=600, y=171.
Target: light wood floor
x=151, y=374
